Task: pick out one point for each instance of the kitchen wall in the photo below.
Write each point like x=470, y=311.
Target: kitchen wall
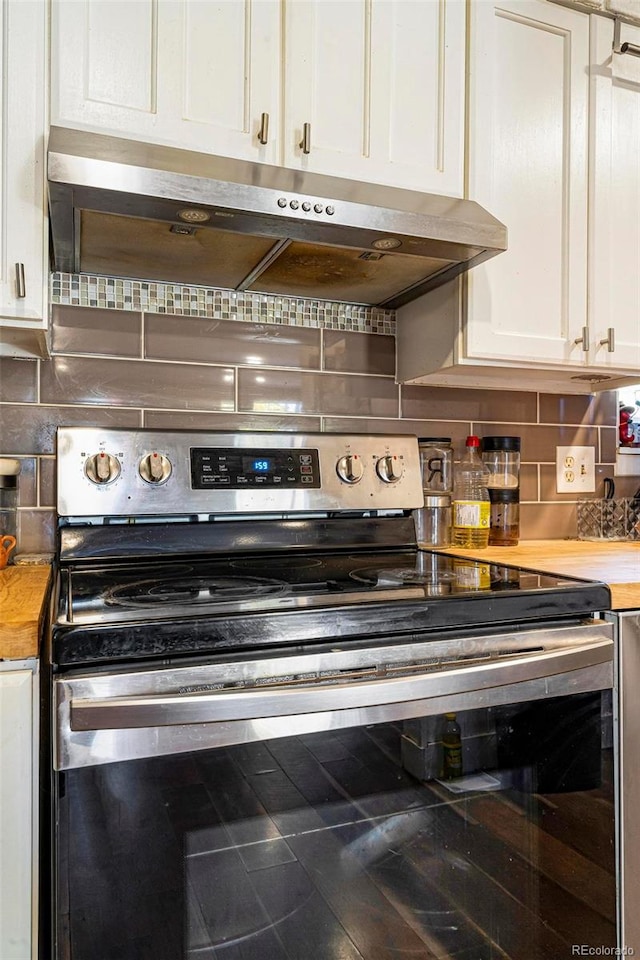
x=129, y=354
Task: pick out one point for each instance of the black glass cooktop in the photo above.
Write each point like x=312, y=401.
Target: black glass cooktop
x=151, y=591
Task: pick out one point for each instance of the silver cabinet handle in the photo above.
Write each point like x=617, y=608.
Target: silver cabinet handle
x=21, y=287
x=632, y=48
x=305, y=143
x=584, y=339
x=263, y=132
x=153, y=710
x=610, y=340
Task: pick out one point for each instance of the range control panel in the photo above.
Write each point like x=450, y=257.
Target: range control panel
x=105, y=473
x=231, y=469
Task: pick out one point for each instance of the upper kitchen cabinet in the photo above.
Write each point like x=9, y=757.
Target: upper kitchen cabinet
x=371, y=89
x=614, y=249
x=197, y=74
x=374, y=90
x=23, y=248
x=528, y=144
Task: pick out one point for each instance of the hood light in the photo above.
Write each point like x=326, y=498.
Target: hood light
x=387, y=243
x=194, y=216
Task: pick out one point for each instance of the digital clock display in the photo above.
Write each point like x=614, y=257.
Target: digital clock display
x=257, y=465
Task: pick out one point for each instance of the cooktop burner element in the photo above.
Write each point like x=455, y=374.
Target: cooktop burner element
x=193, y=590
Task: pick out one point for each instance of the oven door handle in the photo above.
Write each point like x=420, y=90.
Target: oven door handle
x=259, y=703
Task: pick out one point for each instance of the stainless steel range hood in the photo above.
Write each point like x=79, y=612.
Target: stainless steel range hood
x=123, y=208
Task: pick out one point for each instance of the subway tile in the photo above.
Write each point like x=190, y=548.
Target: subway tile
x=454, y=403
x=589, y=409
x=36, y=531
x=136, y=383
x=359, y=352
x=420, y=428
x=27, y=491
x=277, y=391
x=529, y=482
x=94, y=331
x=32, y=429
x=548, y=521
x=18, y=380
x=179, y=420
x=231, y=341
x=46, y=482
x=608, y=444
x=539, y=442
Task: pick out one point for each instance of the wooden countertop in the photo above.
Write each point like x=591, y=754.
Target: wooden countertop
x=23, y=594
x=614, y=563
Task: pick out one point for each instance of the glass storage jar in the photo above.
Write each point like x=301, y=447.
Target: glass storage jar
x=9, y=470
x=504, y=526
x=433, y=521
x=501, y=459
x=436, y=463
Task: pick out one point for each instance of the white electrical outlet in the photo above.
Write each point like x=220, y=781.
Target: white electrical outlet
x=575, y=470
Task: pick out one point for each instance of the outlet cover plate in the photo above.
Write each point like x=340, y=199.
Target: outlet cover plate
x=576, y=470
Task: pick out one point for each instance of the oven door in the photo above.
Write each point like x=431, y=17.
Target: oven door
x=308, y=806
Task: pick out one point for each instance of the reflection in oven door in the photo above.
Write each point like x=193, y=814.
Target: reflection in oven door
x=350, y=843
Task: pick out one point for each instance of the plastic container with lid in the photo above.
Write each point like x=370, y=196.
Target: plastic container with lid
x=436, y=463
x=504, y=530
x=433, y=521
x=501, y=459
x=9, y=471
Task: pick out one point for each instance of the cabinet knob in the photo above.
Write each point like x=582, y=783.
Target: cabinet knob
x=263, y=132
x=305, y=143
x=584, y=339
x=21, y=286
x=610, y=340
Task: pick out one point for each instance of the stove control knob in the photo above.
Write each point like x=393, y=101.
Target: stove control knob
x=102, y=468
x=389, y=469
x=350, y=468
x=154, y=468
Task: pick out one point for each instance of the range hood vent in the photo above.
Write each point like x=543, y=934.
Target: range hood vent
x=123, y=208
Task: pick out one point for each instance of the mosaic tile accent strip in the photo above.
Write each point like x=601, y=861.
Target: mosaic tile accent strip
x=154, y=297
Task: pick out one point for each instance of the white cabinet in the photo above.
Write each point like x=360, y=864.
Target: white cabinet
x=528, y=129
x=18, y=808
x=614, y=220
x=378, y=85
x=554, y=141
x=23, y=247
x=196, y=74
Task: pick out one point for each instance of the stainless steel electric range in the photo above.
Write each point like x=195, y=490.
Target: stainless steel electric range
x=250, y=665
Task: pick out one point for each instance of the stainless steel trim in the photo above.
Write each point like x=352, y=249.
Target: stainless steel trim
x=422, y=678
x=610, y=339
x=21, y=286
x=221, y=706
x=305, y=143
x=263, y=132
x=584, y=339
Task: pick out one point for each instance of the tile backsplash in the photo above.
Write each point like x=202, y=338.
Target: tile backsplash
x=125, y=354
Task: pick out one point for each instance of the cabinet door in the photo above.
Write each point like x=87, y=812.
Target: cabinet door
x=22, y=208
x=196, y=74
x=528, y=165
x=18, y=751
x=381, y=85
x=614, y=222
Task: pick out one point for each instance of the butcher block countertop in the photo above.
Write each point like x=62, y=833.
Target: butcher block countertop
x=614, y=563
x=23, y=594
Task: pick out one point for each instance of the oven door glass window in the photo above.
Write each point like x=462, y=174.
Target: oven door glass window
x=481, y=836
